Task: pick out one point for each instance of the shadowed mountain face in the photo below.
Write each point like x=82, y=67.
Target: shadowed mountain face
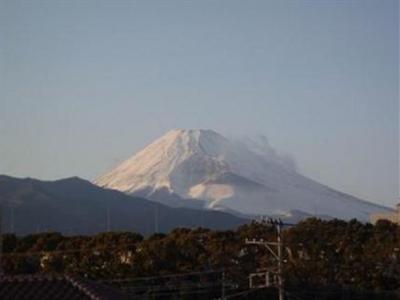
x=75, y=206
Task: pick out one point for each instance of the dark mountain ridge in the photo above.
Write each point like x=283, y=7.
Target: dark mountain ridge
x=76, y=206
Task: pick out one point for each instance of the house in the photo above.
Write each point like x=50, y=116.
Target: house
x=126, y=257
x=390, y=216
x=40, y=287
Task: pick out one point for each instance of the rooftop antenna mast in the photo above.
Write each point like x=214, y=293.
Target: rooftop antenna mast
x=108, y=219
x=156, y=218
x=1, y=241
x=12, y=219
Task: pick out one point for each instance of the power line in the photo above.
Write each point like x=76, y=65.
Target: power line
x=44, y=252
x=145, y=287
x=166, y=276
x=243, y=293
x=207, y=290
x=180, y=289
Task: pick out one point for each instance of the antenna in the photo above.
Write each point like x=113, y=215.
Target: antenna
x=1, y=240
x=315, y=208
x=108, y=219
x=156, y=218
x=12, y=219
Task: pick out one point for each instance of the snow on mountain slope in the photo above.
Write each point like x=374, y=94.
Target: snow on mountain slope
x=248, y=177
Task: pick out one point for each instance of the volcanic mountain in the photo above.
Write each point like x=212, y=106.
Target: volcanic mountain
x=203, y=168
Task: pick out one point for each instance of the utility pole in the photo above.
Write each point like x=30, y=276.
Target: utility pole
x=275, y=248
x=223, y=285
x=278, y=226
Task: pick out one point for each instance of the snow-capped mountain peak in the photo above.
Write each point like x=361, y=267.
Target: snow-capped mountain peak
x=154, y=167
x=249, y=177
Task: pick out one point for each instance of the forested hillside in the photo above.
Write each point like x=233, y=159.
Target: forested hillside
x=323, y=259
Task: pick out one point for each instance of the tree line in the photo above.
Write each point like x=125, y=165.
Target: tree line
x=321, y=258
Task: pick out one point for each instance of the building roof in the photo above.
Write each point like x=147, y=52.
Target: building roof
x=55, y=288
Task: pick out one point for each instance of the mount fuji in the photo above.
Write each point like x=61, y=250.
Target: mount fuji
x=201, y=168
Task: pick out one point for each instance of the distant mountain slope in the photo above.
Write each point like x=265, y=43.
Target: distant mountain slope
x=247, y=177
x=76, y=206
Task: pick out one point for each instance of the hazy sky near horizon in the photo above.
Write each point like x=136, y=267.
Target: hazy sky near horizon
x=85, y=84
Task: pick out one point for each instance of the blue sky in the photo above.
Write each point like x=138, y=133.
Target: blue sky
x=85, y=84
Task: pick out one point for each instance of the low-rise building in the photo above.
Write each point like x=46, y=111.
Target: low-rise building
x=56, y=287
x=389, y=216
